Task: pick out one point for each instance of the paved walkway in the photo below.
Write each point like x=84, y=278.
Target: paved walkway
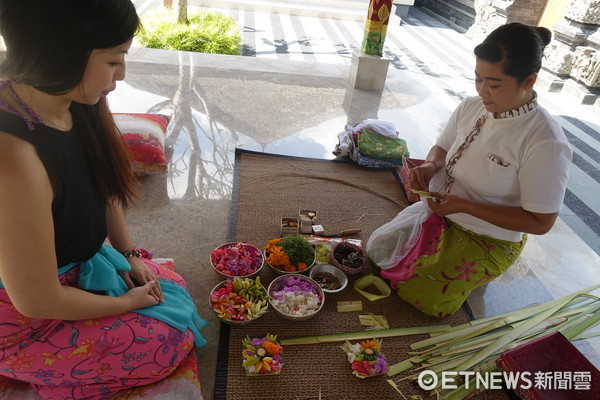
x=442, y=59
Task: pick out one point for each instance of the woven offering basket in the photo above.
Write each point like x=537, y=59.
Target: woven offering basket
x=344, y=249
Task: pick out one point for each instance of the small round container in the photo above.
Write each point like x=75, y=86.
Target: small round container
x=238, y=253
x=328, y=277
x=295, y=282
x=354, y=255
x=323, y=252
x=231, y=321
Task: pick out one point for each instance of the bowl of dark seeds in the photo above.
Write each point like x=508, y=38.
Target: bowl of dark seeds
x=348, y=257
x=330, y=278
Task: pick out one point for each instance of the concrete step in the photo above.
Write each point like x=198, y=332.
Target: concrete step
x=354, y=10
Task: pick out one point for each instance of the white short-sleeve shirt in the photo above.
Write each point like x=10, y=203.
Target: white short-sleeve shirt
x=522, y=160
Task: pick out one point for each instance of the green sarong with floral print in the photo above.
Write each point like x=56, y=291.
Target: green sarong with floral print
x=447, y=263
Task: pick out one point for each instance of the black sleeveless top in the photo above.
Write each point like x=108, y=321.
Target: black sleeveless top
x=78, y=208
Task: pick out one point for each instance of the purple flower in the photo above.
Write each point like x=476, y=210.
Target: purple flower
x=380, y=365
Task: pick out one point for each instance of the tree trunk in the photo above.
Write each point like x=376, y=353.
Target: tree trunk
x=180, y=8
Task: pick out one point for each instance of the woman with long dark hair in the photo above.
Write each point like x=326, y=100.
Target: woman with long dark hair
x=78, y=318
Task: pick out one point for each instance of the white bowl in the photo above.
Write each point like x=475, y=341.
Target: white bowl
x=329, y=269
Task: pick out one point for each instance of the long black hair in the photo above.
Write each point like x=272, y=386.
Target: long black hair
x=48, y=45
x=518, y=47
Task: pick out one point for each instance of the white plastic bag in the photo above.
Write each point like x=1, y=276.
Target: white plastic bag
x=391, y=242
x=384, y=128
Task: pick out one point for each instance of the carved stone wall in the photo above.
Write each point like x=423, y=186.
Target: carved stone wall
x=490, y=15
x=558, y=59
x=584, y=11
x=575, y=49
x=586, y=66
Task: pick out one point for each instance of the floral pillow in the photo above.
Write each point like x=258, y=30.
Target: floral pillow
x=144, y=135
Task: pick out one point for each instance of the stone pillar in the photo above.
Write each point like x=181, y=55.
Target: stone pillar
x=575, y=49
x=368, y=68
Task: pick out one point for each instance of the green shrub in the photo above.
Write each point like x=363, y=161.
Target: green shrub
x=205, y=32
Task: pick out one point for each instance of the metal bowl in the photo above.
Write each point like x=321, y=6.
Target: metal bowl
x=329, y=269
x=287, y=280
x=224, y=274
x=282, y=272
x=229, y=321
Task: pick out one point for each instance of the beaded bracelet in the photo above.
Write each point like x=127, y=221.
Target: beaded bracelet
x=132, y=253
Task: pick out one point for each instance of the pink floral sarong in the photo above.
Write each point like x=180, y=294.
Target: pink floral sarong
x=90, y=359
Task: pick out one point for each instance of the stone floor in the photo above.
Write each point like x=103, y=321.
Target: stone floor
x=291, y=107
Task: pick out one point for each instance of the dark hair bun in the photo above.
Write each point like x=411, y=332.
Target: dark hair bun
x=545, y=34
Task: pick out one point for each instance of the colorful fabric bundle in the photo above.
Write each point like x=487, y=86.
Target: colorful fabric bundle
x=373, y=144
x=144, y=135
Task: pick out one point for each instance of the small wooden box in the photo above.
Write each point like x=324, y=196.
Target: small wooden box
x=289, y=226
x=305, y=227
x=308, y=215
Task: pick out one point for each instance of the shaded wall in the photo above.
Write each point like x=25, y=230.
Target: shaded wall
x=526, y=11
x=461, y=14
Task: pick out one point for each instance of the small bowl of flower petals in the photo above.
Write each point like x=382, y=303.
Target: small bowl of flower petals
x=239, y=300
x=237, y=259
x=295, y=296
